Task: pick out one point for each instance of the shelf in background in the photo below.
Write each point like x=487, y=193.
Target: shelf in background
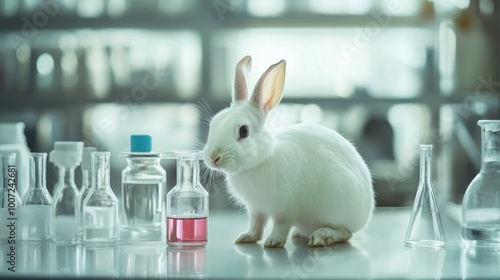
x=16, y=101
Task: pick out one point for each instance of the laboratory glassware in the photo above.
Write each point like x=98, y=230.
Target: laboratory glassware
x=143, y=193
x=13, y=140
x=425, y=228
x=86, y=168
x=100, y=207
x=66, y=156
x=481, y=203
x=187, y=204
x=35, y=213
x=9, y=198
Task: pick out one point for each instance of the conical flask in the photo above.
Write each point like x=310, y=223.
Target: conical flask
x=425, y=228
x=36, y=216
x=86, y=167
x=100, y=207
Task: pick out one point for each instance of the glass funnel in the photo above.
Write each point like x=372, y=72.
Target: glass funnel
x=425, y=228
x=481, y=203
x=35, y=213
x=187, y=203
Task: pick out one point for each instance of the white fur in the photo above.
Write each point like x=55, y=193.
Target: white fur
x=307, y=176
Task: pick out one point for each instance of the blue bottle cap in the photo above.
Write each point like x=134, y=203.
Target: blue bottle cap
x=140, y=143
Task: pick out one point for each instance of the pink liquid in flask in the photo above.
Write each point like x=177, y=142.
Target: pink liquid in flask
x=187, y=231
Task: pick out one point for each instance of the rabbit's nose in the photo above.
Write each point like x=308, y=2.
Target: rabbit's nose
x=215, y=155
x=217, y=159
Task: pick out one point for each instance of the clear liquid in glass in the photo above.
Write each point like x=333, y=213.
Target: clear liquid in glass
x=35, y=221
x=142, y=205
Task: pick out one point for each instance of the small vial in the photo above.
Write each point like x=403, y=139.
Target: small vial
x=100, y=208
x=35, y=213
x=143, y=193
x=9, y=199
x=187, y=204
x=86, y=167
x=66, y=156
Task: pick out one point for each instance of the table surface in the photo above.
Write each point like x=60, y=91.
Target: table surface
x=376, y=252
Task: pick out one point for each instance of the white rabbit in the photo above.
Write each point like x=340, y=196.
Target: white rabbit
x=307, y=176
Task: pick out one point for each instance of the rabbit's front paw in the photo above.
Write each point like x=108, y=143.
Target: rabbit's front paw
x=247, y=238
x=275, y=242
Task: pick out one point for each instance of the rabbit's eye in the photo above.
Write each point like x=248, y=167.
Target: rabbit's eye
x=243, y=132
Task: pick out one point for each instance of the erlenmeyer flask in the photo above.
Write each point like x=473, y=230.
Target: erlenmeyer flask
x=187, y=204
x=425, y=228
x=86, y=167
x=100, y=208
x=35, y=213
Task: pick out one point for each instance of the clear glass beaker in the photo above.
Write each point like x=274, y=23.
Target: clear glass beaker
x=9, y=199
x=187, y=204
x=100, y=208
x=86, y=168
x=143, y=193
x=425, y=228
x=481, y=203
x=35, y=213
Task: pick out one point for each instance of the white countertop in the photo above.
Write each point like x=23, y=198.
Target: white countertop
x=377, y=252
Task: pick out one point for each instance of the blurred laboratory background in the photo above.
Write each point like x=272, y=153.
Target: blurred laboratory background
x=387, y=74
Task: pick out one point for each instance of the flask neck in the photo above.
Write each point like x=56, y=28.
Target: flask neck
x=86, y=179
x=490, y=150
x=67, y=175
x=425, y=165
x=37, y=169
x=6, y=160
x=101, y=171
x=187, y=173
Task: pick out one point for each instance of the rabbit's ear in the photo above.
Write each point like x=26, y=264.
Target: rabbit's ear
x=241, y=79
x=269, y=89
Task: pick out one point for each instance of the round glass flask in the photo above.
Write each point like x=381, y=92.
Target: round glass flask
x=481, y=203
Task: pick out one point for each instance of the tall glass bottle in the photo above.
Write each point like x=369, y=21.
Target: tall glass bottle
x=9, y=198
x=35, y=213
x=100, y=208
x=66, y=156
x=481, y=203
x=187, y=204
x=86, y=168
x=143, y=193
x=425, y=228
